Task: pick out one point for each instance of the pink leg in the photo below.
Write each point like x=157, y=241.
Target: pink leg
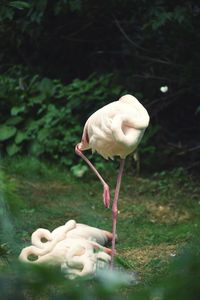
x=106, y=192
x=115, y=209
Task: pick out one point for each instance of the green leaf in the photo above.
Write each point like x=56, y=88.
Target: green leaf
x=6, y=132
x=12, y=149
x=36, y=149
x=14, y=120
x=17, y=109
x=36, y=99
x=43, y=134
x=20, y=137
x=32, y=126
x=46, y=87
x=20, y=4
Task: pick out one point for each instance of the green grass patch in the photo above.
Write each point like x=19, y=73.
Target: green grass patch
x=158, y=215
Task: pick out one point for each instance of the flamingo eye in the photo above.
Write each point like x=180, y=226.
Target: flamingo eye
x=32, y=257
x=44, y=240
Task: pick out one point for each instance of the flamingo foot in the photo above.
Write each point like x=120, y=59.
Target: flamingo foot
x=106, y=196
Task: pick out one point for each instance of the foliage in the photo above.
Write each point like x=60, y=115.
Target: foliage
x=44, y=117
x=10, y=205
x=8, y=195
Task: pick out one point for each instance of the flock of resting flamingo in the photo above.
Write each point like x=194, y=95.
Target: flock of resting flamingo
x=114, y=130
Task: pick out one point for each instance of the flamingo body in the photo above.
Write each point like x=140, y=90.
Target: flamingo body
x=115, y=129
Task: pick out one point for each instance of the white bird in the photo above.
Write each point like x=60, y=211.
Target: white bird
x=44, y=239
x=76, y=256
x=114, y=130
x=90, y=233
x=77, y=248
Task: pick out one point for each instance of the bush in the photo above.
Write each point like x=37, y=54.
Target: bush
x=44, y=117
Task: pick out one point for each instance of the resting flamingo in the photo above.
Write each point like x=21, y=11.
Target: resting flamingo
x=114, y=130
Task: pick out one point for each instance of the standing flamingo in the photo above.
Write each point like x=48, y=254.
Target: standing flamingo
x=114, y=130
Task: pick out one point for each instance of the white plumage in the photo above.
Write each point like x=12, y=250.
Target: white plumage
x=115, y=129
x=77, y=248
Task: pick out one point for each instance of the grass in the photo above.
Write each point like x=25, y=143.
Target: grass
x=158, y=214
